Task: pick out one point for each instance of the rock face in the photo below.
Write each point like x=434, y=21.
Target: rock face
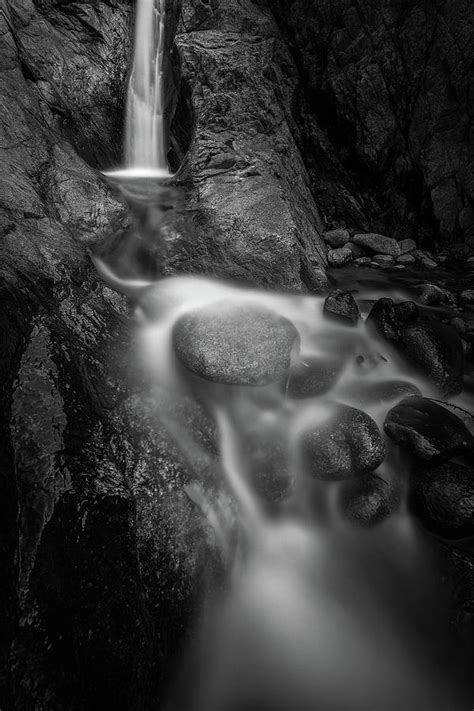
x=341, y=306
x=390, y=84
x=251, y=212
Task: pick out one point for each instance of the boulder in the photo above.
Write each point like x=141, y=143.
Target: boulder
x=341, y=306
x=339, y=257
x=385, y=260
x=467, y=296
x=362, y=261
x=378, y=243
x=432, y=295
x=431, y=347
x=311, y=376
x=424, y=259
x=348, y=443
x=406, y=259
x=236, y=344
x=442, y=498
x=337, y=238
x=368, y=500
x=428, y=430
x=356, y=250
x=407, y=245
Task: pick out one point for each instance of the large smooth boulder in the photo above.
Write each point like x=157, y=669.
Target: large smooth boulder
x=428, y=430
x=378, y=243
x=236, y=344
x=442, y=497
x=341, y=306
x=348, y=443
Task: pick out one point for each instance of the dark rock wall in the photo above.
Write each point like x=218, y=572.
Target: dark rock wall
x=391, y=83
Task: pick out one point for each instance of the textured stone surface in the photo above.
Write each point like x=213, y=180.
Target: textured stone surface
x=347, y=444
x=339, y=257
x=428, y=430
x=236, y=344
x=442, y=497
x=432, y=348
x=341, y=306
x=378, y=244
x=368, y=500
x=391, y=82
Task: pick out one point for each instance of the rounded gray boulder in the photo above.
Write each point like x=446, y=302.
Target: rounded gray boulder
x=236, y=344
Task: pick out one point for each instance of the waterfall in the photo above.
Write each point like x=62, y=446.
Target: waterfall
x=145, y=151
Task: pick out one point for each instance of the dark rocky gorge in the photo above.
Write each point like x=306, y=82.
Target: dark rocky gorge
x=323, y=169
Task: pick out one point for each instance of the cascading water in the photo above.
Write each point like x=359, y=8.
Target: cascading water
x=317, y=614
x=145, y=147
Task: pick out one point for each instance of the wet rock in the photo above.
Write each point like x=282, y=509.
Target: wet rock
x=341, y=306
x=459, y=324
x=407, y=245
x=406, y=259
x=424, y=259
x=467, y=296
x=374, y=265
x=428, y=430
x=311, y=376
x=339, y=257
x=357, y=251
x=442, y=497
x=385, y=260
x=362, y=261
x=337, y=238
x=432, y=295
x=346, y=444
x=378, y=243
x=389, y=319
x=368, y=500
x=433, y=348
x=379, y=392
x=243, y=344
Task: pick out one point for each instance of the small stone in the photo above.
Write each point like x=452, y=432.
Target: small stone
x=348, y=443
x=362, y=261
x=406, y=259
x=374, y=265
x=337, y=238
x=237, y=344
x=368, y=500
x=407, y=245
x=339, y=257
x=424, y=259
x=432, y=295
x=442, y=498
x=378, y=243
x=428, y=430
x=341, y=306
x=467, y=296
x=385, y=260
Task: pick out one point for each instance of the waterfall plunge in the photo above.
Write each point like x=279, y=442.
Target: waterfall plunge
x=145, y=150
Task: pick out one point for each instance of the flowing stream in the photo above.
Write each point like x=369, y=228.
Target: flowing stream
x=316, y=613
